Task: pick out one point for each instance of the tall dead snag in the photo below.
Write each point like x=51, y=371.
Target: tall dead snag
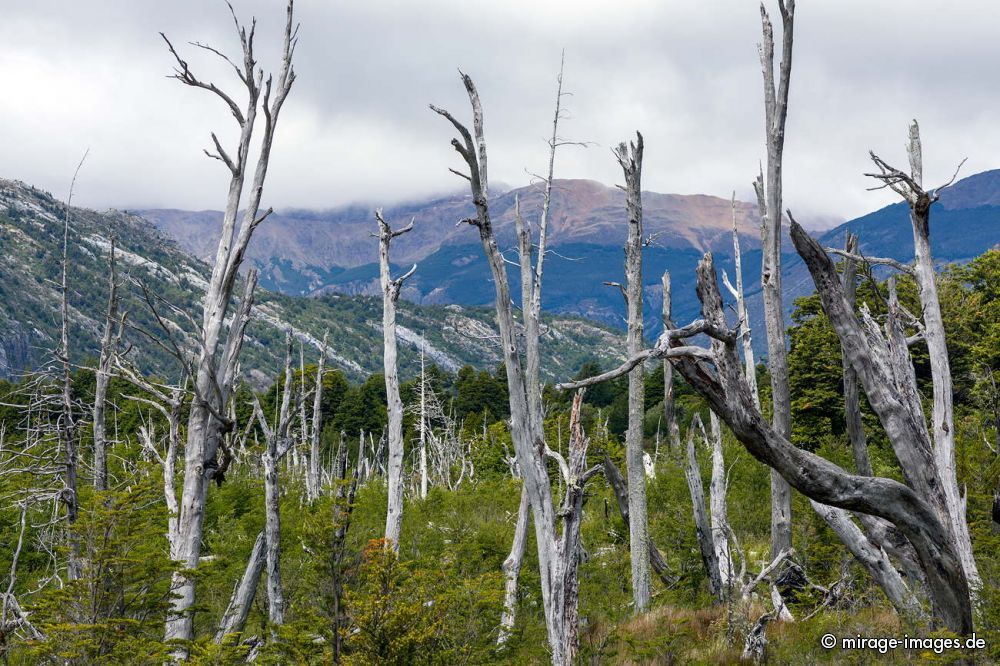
x=214, y=369
x=915, y=508
x=718, y=508
x=931, y=329
x=390, y=295
x=511, y=571
x=313, y=481
x=669, y=410
x=557, y=553
x=277, y=444
x=630, y=159
x=769, y=201
x=102, y=375
x=706, y=543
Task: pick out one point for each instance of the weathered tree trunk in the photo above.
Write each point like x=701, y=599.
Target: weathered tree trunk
x=390, y=295
x=706, y=543
x=911, y=188
x=214, y=373
x=423, y=426
x=669, y=409
x=235, y=616
x=315, y=483
x=102, y=375
x=852, y=399
x=556, y=562
x=511, y=571
x=343, y=508
x=630, y=159
x=769, y=199
x=719, y=512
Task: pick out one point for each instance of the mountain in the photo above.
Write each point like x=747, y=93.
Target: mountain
x=309, y=252
x=31, y=235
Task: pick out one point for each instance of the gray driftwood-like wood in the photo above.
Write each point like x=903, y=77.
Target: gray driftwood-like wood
x=931, y=328
x=511, y=571
x=213, y=371
x=630, y=159
x=769, y=196
x=557, y=552
x=669, y=409
x=852, y=398
x=703, y=529
x=390, y=295
x=244, y=592
x=718, y=509
x=746, y=336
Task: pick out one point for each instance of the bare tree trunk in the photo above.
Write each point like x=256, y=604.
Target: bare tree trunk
x=741, y=309
x=214, y=373
x=769, y=199
x=315, y=483
x=556, y=562
x=630, y=159
x=67, y=423
x=706, y=543
x=852, y=401
x=932, y=330
x=390, y=294
x=235, y=616
x=719, y=512
x=423, y=426
x=669, y=410
x=102, y=375
x=511, y=571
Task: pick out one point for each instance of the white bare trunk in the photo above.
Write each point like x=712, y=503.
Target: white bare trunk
x=769, y=197
x=235, y=616
x=718, y=509
x=390, y=295
x=630, y=159
x=511, y=571
x=706, y=542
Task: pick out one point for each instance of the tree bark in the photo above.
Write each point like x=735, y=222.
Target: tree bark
x=669, y=409
x=102, y=376
x=390, y=295
x=719, y=511
x=630, y=159
x=770, y=200
x=511, y=571
x=315, y=483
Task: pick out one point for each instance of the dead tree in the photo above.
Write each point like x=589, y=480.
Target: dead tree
x=931, y=331
x=557, y=563
x=390, y=294
x=669, y=409
x=718, y=508
x=235, y=616
x=278, y=444
x=630, y=159
x=703, y=529
x=314, y=482
x=741, y=309
x=102, y=375
x=769, y=203
x=214, y=370
x=916, y=508
x=511, y=571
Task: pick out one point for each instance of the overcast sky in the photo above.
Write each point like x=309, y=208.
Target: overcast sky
x=356, y=127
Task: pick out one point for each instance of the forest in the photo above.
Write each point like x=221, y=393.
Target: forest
x=693, y=501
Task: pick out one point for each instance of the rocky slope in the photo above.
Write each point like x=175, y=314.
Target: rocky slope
x=31, y=228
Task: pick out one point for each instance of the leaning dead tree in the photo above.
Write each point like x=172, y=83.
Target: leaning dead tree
x=557, y=552
x=214, y=369
x=930, y=328
x=630, y=159
x=769, y=202
x=390, y=295
x=917, y=508
x=669, y=409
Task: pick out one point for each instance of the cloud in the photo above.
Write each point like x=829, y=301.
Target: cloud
x=357, y=127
